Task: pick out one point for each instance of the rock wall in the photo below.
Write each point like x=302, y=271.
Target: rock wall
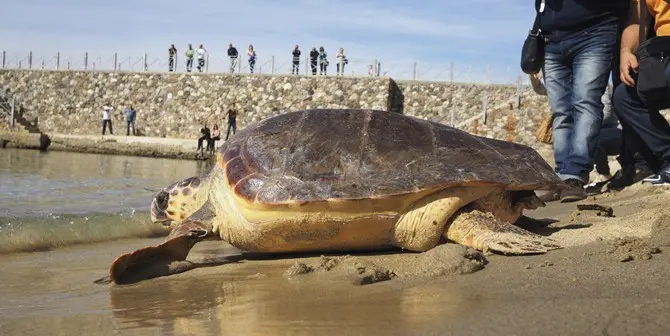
x=176, y=105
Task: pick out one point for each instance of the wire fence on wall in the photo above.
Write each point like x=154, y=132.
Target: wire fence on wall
x=219, y=62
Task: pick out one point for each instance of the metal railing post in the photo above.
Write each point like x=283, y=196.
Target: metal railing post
x=12, y=111
x=518, y=93
x=115, y=61
x=4, y=57
x=272, y=66
x=207, y=62
x=414, y=71
x=30, y=60
x=175, y=62
x=307, y=64
x=239, y=64
x=57, y=60
x=484, y=100
x=43, y=64
x=145, y=62
x=451, y=72
x=85, y=61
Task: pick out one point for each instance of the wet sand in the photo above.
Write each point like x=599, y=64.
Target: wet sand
x=594, y=286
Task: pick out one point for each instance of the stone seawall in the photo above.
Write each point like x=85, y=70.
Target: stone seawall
x=176, y=105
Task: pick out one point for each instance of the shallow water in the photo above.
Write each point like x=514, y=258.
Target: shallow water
x=56, y=198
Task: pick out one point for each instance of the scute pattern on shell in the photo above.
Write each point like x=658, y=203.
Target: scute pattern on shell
x=315, y=155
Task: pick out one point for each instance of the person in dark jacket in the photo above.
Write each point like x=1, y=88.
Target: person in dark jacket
x=232, y=54
x=313, y=60
x=580, y=46
x=296, y=61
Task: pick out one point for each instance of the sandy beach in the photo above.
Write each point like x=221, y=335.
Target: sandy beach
x=610, y=279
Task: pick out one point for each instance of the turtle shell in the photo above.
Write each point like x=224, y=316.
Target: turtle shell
x=315, y=155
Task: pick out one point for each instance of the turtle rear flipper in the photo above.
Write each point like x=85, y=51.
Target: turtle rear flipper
x=161, y=260
x=484, y=232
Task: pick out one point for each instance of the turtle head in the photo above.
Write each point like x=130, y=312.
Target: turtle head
x=177, y=202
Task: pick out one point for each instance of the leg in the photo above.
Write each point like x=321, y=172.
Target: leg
x=127, y=128
x=228, y=131
x=482, y=225
x=111, y=131
x=234, y=128
x=420, y=227
x=591, y=67
x=650, y=128
x=162, y=260
x=104, y=126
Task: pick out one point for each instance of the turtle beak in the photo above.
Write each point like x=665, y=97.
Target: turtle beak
x=158, y=208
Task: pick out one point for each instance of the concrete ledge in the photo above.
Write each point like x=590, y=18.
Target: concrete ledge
x=108, y=144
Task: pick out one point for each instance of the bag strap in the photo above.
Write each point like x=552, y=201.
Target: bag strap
x=539, y=9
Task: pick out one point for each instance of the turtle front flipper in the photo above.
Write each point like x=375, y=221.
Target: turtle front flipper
x=165, y=259
x=483, y=231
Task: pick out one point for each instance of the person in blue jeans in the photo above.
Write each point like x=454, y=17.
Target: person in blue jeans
x=580, y=46
x=130, y=119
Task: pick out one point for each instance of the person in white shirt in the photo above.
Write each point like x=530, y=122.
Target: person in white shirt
x=107, y=119
x=200, y=55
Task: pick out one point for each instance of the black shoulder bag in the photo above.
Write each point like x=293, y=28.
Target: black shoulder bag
x=653, y=53
x=532, y=52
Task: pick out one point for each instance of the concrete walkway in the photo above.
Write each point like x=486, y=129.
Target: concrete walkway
x=108, y=144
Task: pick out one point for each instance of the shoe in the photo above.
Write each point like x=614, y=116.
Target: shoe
x=574, y=192
x=663, y=176
x=626, y=177
x=550, y=196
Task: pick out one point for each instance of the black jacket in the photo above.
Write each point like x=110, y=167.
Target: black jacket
x=232, y=52
x=562, y=18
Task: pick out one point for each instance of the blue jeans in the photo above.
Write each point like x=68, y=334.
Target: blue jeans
x=576, y=71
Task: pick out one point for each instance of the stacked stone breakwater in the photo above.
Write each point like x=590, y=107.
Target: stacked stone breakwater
x=176, y=105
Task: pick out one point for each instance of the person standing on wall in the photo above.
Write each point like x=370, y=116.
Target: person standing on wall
x=200, y=55
x=130, y=119
x=232, y=54
x=206, y=137
x=323, y=59
x=580, y=44
x=172, y=55
x=189, y=57
x=252, y=58
x=232, y=122
x=314, y=60
x=341, y=61
x=296, y=61
x=107, y=119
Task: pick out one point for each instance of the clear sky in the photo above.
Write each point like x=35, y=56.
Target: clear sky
x=471, y=33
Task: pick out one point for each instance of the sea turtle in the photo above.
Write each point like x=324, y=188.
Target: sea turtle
x=349, y=180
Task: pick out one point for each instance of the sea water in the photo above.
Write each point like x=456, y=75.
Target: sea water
x=52, y=199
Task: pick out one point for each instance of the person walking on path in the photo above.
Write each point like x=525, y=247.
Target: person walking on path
x=580, y=46
x=130, y=119
x=107, y=119
x=232, y=122
x=637, y=107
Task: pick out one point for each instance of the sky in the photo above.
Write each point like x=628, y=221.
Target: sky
x=476, y=40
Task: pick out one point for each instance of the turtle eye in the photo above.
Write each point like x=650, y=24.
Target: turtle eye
x=162, y=200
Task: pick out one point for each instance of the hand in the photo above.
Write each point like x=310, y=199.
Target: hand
x=628, y=64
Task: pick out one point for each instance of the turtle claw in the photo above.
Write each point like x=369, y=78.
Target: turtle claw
x=484, y=232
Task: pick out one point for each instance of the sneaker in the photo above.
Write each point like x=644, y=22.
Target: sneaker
x=626, y=177
x=574, y=192
x=653, y=179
